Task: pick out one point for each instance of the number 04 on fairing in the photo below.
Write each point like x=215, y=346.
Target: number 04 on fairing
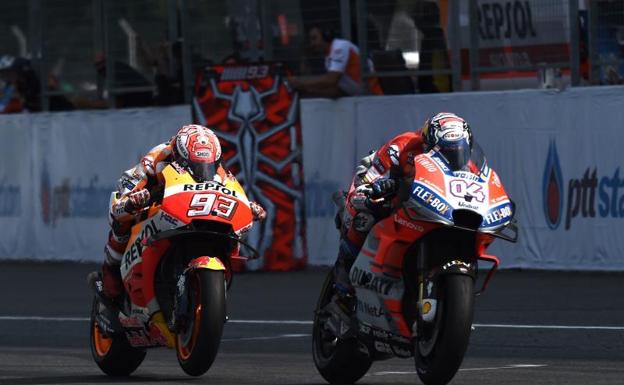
x=176, y=270
x=414, y=277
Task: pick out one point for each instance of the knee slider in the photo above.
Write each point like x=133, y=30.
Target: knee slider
x=363, y=221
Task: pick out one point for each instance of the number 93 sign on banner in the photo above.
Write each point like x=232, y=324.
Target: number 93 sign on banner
x=256, y=117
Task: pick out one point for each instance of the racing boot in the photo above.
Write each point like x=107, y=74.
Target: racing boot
x=111, y=275
x=342, y=283
x=111, y=281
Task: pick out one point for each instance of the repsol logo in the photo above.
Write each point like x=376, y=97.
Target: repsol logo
x=136, y=250
x=210, y=186
x=370, y=281
x=505, y=20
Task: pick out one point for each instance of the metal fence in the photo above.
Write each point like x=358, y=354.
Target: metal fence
x=123, y=53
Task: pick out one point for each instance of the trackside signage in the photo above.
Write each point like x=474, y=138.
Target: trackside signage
x=558, y=154
x=63, y=166
x=589, y=194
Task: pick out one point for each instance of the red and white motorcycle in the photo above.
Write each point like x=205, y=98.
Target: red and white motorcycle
x=414, y=277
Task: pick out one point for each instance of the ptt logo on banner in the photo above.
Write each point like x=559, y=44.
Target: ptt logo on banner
x=587, y=196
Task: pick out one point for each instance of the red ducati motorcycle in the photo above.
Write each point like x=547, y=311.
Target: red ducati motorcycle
x=176, y=271
x=414, y=278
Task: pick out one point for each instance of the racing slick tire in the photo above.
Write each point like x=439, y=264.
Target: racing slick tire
x=197, y=346
x=339, y=361
x=113, y=354
x=440, y=352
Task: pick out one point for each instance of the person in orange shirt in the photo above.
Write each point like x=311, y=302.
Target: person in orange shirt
x=342, y=63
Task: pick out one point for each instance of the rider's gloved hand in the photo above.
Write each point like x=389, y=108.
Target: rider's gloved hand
x=258, y=212
x=382, y=188
x=137, y=200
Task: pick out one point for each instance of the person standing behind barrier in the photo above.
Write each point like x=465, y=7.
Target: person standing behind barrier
x=342, y=63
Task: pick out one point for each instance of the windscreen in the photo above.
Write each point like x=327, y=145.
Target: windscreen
x=203, y=172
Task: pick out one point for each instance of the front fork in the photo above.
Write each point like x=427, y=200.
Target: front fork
x=182, y=304
x=427, y=300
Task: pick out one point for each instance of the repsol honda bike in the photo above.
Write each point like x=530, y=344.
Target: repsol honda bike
x=176, y=270
x=414, y=278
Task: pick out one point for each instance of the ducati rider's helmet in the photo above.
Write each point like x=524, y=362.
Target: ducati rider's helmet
x=197, y=149
x=451, y=136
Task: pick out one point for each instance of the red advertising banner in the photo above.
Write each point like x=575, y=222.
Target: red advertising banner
x=256, y=117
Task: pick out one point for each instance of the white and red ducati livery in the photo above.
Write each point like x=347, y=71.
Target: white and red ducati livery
x=414, y=277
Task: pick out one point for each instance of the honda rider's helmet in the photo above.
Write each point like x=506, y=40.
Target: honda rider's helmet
x=197, y=149
x=451, y=136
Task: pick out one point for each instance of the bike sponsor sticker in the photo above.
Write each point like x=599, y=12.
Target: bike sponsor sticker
x=466, y=205
x=208, y=186
x=370, y=309
x=134, y=252
x=467, y=175
x=461, y=188
x=164, y=217
x=383, y=347
x=498, y=216
x=431, y=200
x=440, y=162
x=407, y=223
x=426, y=163
x=368, y=280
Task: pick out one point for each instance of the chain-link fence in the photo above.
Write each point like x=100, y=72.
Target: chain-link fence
x=123, y=53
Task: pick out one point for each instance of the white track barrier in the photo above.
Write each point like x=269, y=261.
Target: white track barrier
x=58, y=169
x=573, y=138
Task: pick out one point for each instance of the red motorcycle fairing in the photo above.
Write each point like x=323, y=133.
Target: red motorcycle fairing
x=382, y=254
x=205, y=262
x=139, y=289
x=185, y=204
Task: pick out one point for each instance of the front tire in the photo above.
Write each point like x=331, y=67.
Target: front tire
x=338, y=361
x=197, y=346
x=114, y=355
x=440, y=352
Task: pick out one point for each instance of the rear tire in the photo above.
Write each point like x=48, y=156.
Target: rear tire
x=197, y=347
x=114, y=355
x=338, y=361
x=440, y=352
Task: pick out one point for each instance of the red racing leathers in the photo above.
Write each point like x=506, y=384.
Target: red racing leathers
x=394, y=162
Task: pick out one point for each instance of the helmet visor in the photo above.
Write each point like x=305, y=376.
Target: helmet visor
x=456, y=153
x=203, y=172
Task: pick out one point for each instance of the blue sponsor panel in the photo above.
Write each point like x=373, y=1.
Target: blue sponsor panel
x=497, y=216
x=432, y=201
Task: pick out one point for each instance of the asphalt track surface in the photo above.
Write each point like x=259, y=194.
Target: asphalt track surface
x=530, y=328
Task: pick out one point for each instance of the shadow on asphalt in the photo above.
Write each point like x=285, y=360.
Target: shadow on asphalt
x=80, y=379
x=85, y=380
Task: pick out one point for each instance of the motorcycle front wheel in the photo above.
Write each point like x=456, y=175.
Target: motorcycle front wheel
x=338, y=361
x=113, y=354
x=197, y=345
x=440, y=350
